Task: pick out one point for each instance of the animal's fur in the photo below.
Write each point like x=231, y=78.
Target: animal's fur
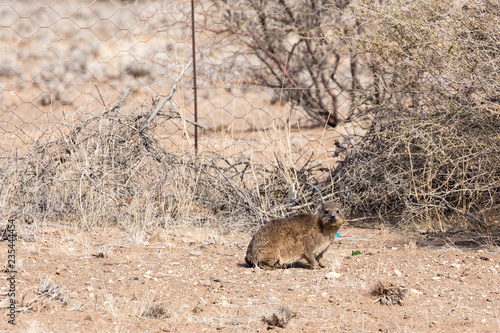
x=282, y=242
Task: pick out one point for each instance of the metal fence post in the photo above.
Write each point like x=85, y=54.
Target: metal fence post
x=194, y=80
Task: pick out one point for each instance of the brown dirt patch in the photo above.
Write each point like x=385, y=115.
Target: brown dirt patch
x=188, y=280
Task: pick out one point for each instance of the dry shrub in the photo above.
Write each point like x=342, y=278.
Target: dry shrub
x=389, y=293
x=280, y=318
x=111, y=169
x=300, y=49
x=47, y=293
x=150, y=309
x=49, y=289
x=156, y=311
x=108, y=170
x=101, y=171
x=433, y=150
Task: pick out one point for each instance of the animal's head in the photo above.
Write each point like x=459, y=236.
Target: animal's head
x=331, y=214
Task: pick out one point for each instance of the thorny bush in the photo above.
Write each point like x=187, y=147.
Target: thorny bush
x=433, y=150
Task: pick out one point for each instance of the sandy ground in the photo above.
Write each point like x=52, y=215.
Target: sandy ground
x=196, y=280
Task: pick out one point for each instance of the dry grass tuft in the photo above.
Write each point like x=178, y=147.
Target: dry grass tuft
x=388, y=293
x=52, y=291
x=155, y=311
x=280, y=318
x=47, y=293
x=150, y=309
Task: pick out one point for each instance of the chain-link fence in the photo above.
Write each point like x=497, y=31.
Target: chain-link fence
x=82, y=80
x=62, y=62
x=107, y=116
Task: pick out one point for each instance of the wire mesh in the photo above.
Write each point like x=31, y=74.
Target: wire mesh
x=81, y=82
x=62, y=62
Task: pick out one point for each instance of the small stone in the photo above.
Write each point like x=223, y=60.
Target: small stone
x=333, y=275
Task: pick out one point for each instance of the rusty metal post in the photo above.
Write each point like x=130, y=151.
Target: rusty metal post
x=194, y=80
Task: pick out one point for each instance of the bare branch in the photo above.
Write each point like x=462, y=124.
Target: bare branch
x=165, y=100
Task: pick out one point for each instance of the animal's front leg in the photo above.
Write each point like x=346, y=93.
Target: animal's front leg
x=319, y=259
x=312, y=261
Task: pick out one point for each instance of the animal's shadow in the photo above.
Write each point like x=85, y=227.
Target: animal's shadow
x=298, y=264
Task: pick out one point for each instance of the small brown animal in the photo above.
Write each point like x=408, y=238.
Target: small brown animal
x=282, y=242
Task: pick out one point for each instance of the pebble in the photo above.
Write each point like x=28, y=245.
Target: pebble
x=333, y=275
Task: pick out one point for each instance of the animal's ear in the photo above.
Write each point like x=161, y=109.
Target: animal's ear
x=321, y=208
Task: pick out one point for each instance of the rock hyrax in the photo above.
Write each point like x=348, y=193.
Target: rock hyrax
x=280, y=243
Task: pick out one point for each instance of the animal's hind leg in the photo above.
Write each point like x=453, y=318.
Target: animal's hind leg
x=269, y=263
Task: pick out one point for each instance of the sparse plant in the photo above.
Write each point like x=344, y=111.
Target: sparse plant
x=110, y=305
x=46, y=293
x=52, y=291
x=280, y=318
x=389, y=293
x=412, y=245
x=151, y=309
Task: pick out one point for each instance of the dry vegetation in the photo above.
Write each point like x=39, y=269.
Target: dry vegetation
x=111, y=170
x=300, y=50
x=94, y=134
x=47, y=295
x=388, y=293
x=280, y=318
x=431, y=152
